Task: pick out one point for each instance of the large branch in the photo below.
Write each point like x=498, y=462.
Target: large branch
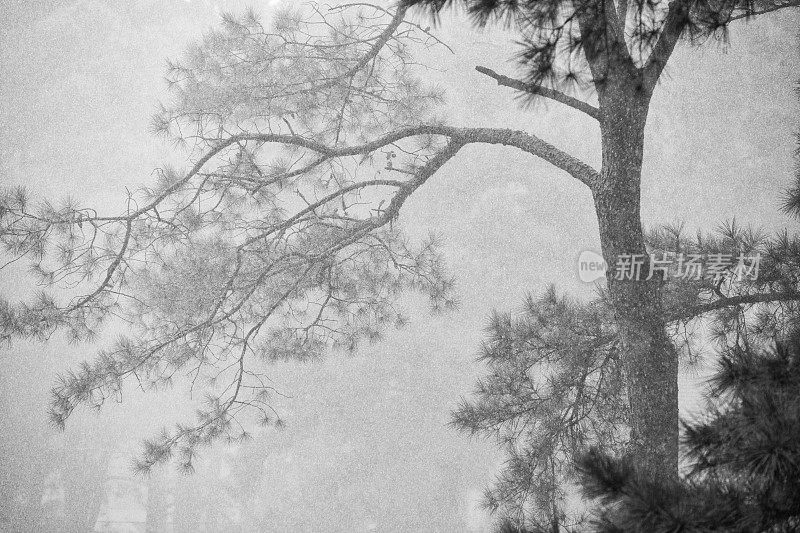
x=458, y=137
x=524, y=141
x=519, y=139
x=733, y=301
x=533, y=88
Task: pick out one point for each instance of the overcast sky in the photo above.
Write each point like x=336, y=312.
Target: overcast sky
x=80, y=79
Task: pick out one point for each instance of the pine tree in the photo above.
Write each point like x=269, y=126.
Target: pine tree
x=556, y=381
x=280, y=241
x=620, y=50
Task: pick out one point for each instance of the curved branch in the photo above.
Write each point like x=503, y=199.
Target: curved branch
x=458, y=137
x=519, y=139
x=531, y=88
x=524, y=141
x=109, y=272
x=392, y=211
x=386, y=35
x=535, y=146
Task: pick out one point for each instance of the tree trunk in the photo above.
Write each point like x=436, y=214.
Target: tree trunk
x=649, y=357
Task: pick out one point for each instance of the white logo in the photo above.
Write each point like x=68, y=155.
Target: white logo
x=591, y=266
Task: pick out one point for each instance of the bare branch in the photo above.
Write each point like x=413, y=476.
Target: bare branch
x=552, y=94
x=519, y=139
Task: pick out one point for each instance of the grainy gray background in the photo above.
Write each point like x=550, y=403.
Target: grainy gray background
x=79, y=80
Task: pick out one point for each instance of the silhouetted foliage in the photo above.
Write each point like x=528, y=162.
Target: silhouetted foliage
x=744, y=473
x=554, y=384
x=557, y=35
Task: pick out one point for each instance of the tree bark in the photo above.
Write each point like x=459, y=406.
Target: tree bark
x=649, y=357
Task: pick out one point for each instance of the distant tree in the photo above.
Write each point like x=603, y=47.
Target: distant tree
x=280, y=241
x=23, y=481
x=207, y=500
x=50, y=483
x=83, y=473
x=81, y=463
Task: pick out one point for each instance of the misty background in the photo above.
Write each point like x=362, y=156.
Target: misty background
x=367, y=445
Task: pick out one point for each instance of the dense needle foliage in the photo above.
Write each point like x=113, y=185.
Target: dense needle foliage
x=744, y=455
